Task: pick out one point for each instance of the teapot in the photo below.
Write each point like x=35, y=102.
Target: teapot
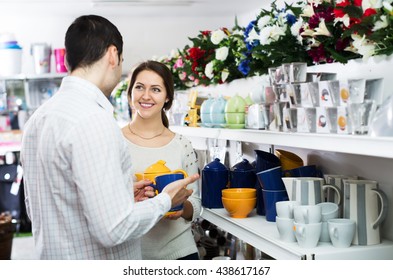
x=157, y=169
x=242, y=175
x=214, y=180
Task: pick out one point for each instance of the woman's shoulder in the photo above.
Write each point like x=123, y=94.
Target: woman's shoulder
x=183, y=140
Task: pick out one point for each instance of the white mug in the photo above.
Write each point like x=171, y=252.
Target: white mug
x=284, y=209
x=341, y=232
x=285, y=229
x=307, y=235
x=330, y=210
x=307, y=214
x=361, y=205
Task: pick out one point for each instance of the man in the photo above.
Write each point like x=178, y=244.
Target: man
x=76, y=163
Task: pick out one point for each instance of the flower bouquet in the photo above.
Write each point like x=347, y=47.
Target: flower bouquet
x=347, y=29
x=272, y=39
x=210, y=59
x=368, y=25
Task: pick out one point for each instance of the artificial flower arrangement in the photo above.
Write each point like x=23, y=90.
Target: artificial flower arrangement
x=209, y=60
x=272, y=39
x=341, y=30
x=311, y=31
x=369, y=25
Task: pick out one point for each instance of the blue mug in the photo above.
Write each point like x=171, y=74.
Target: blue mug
x=270, y=179
x=162, y=181
x=270, y=198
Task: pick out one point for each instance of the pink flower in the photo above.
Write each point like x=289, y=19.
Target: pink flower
x=179, y=63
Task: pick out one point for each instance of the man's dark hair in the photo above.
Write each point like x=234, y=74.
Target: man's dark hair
x=87, y=40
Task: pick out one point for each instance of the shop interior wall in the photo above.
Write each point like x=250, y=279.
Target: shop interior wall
x=144, y=38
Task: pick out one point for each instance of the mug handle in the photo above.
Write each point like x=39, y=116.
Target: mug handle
x=336, y=189
x=384, y=208
x=180, y=171
x=333, y=232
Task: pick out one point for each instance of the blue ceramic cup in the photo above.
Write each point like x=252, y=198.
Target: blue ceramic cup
x=162, y=181
x=270, y=198
x=265, y=160
x=270, y=179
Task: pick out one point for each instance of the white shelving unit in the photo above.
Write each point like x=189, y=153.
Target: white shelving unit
x=262, y=234
x=351, y=144
x=9, y=147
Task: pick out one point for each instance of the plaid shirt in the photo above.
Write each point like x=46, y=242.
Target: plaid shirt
x=78, y=183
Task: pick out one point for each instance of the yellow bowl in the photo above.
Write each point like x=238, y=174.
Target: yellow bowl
x=239, y=208
x=289, y=160
x=239, y=193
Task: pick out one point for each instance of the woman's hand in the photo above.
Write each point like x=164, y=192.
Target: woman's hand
x=143, y=190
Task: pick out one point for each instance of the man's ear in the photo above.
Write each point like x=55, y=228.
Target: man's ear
x=113, y=56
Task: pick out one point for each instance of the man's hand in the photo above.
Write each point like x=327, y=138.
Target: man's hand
x=177, y=190
x=143, y=190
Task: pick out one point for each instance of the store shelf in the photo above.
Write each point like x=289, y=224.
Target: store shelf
x=351, y=144
x=10, y=141
x=6, y=147
x=264, y=236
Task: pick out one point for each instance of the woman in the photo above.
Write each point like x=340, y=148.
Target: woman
x=151, y=93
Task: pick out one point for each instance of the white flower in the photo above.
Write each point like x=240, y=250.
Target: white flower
x=306, y=30
x=380, y=24
x=174, y=53
x=277, y=32
x=264, y=36
x=222, y=53
x=252, y=35
x=345, y=20
x=387, y=6
x=363, y=46
x=224, y=75
x=263, y=21
x=374, y=4
x=295, y=29
x=308, y=11
x=217, y=36
x=209, y=70
x=281, y=18
x=322, y=29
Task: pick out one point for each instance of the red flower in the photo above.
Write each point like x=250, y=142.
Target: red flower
x=206, y=33
x=338, y=13
x=196, y=53
x=369, y=12
x=357, y=3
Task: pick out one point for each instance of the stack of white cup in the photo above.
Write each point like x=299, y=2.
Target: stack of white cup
x=330, y=210
x=307, y=225
x=285, y=220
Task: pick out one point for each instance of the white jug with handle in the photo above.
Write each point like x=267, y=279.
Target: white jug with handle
x=360, y=203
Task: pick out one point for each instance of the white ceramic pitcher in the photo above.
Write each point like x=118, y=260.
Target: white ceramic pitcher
x=360, y=203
